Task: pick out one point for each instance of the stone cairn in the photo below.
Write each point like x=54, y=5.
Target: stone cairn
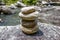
x=29, y=20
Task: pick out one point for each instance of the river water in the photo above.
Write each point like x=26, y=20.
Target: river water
x=10, y=20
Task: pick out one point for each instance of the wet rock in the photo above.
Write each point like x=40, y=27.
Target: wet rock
x=50, y=16
x=44, y=2
x=1, y=20
x=12, y=6
x=6, y=10
x=19, y=4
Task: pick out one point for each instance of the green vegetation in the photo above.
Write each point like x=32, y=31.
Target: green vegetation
x=29, y=2
x=8, y=2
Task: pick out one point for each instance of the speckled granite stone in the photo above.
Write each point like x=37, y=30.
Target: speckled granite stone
x=46, y=32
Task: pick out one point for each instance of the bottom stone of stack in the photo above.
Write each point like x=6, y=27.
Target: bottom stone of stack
x=29, y=30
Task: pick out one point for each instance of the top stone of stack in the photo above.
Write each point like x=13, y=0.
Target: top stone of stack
x=29, y=13
x=28, y=10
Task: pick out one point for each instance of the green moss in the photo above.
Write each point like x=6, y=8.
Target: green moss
x=8, y=2
x=29, y=2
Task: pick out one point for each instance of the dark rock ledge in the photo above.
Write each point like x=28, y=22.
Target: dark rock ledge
x=46, y=32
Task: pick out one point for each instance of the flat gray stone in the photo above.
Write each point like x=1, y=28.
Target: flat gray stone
x=50, y=15
x=46, y=32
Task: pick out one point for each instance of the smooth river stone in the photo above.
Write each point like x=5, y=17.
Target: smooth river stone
x=29, y=24
x=31, y=16
x=29, y=30
x=27, y=10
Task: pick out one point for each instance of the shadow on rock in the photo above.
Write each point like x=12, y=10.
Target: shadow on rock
x=38, y=33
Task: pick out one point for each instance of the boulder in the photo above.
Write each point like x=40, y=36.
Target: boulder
x=19, y=4
x=44, y=2
x=6, y=10
x=50, y=16
x=12, y=6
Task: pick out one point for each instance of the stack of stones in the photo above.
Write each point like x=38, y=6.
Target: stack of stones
x=29, y=20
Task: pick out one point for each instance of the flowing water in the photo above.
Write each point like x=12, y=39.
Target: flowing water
x=10, y=20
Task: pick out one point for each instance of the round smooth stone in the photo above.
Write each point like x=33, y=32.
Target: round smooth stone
x=29, y=24
x=28, y=10
x=29, y=30
x=31, y=16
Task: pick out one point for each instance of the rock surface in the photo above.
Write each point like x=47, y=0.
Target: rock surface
x=50, y=15
x=46, y=32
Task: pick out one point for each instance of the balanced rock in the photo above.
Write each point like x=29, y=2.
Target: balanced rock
x=29, y=20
